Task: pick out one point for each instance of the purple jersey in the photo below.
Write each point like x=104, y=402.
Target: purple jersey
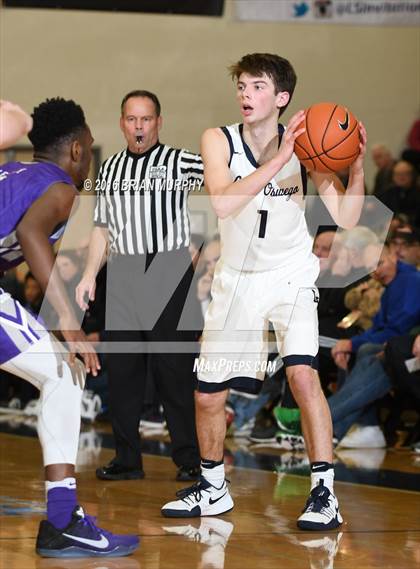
x=21, y=184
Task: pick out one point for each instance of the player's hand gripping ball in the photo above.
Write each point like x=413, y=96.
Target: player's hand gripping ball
x=331, y=140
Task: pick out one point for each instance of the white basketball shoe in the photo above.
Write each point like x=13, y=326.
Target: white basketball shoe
x=321, y=510
x=201, y=499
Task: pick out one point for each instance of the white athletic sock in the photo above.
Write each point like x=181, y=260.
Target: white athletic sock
x=327, y=478
x=69, y=483
x=215, y=475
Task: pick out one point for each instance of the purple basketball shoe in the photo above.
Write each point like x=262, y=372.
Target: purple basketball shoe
x=82, y=538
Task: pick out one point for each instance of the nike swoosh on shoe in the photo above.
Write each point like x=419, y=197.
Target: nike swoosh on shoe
x=102, y=543
x=211, y=502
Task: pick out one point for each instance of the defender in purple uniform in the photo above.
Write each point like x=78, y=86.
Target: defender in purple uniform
x=36, y=200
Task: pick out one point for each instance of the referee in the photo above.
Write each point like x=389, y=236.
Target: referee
x=142, y=226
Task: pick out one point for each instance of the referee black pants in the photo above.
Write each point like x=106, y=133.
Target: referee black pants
x=133, y=293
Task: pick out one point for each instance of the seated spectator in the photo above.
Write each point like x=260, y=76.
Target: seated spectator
x=400, y=303
x=403, y=196
x=368, y=381
x=384, y=162
x=406, y=246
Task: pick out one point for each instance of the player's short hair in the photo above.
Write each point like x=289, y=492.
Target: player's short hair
x=56, y=121
x=142, y=93
x=279, y=70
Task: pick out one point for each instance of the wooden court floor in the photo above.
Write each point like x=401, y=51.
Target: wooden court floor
x=381, y=530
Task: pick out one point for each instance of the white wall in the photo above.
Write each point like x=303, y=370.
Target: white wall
x=96, y=58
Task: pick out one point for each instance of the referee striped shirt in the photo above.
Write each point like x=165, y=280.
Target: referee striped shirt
x=142, y=199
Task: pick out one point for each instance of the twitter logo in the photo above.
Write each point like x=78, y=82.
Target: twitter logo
x=300, y=9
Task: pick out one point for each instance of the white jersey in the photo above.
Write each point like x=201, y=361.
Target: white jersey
x=270, y=231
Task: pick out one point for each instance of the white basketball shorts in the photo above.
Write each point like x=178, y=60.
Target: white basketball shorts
x=234, y=345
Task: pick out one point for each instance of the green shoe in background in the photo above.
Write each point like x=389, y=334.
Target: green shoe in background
x=288, y=420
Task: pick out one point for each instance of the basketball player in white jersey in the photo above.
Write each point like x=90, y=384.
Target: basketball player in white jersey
x=266, y=273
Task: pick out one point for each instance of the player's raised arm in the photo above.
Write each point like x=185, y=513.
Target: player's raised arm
x=229, y=196
x=49, y=211
x=344, y=205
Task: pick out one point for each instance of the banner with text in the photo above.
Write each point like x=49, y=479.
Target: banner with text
x=355, y=12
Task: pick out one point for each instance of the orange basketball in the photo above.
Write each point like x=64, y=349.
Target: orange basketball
x=331, y=140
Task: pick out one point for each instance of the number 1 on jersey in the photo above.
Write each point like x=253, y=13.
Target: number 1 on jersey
x=263, y=224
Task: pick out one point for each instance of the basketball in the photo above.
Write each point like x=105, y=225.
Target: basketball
x=331, y=140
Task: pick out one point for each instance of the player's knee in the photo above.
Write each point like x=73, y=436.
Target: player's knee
x=210, y=402
x=303, y=382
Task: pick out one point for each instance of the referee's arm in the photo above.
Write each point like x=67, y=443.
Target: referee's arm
x=97, y=253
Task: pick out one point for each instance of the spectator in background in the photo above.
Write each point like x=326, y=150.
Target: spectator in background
x=384, y=162
x=322, y=246
x=400, y=303
x=400, y=222
x=355, y=401
x=68, y=264
x=349, y=263
x=403, y=195
x=33, y=294
x=406, y=246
